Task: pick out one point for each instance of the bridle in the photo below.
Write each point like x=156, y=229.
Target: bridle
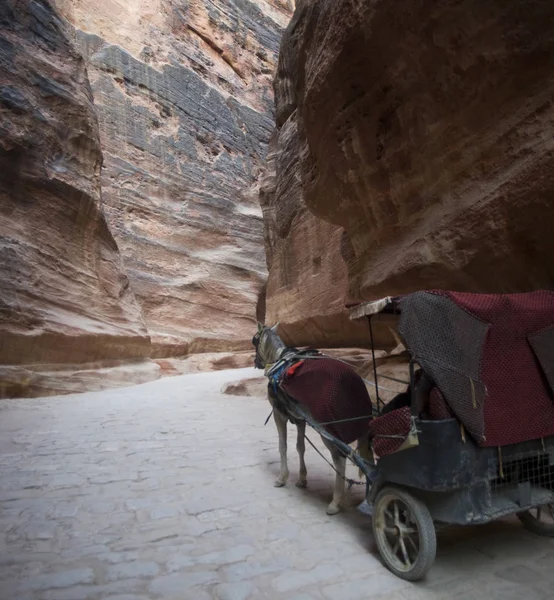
x=258, y=361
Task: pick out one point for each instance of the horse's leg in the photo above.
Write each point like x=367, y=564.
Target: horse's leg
x=301, y=447
x=340, y=465
x=281, y=423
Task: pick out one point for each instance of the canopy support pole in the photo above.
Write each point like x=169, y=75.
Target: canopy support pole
x=379, y=402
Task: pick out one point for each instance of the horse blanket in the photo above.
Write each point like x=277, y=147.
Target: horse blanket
x=331, y=391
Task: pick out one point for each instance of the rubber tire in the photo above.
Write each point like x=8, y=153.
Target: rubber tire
x=530, y=523
x=426, y=528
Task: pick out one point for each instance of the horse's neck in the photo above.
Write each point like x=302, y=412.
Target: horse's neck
x=274, y=348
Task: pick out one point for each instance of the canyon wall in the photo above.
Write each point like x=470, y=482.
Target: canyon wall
x=132, y=139
x=64, y=294
x=413, y=149
x=183, y=96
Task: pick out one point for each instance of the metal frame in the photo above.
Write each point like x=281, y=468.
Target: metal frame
x=374, y=364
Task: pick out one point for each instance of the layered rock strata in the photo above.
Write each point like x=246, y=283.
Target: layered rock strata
x=183, y=96
x=64, y=294
x=133, y=136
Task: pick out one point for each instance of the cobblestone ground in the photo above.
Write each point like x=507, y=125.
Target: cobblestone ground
x=165, y=490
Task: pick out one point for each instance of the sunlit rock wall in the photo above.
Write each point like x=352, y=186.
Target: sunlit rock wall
x=185, y=108
x=132, y=139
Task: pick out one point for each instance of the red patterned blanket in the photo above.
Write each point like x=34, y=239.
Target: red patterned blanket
x=331, y=391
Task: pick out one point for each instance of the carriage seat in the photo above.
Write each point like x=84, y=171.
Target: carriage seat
x=389, y=431
x=429, y=403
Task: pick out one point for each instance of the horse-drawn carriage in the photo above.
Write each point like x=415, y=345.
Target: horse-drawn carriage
x=472, y=440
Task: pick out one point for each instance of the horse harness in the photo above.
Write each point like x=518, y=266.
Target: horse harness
x=290, y=360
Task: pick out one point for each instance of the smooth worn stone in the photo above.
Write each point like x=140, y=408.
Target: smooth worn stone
x=177, y=583
x=235, y=591
x=132, y=570
x=61, y=579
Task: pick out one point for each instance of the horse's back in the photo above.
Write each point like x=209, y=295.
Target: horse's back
x=331, y=391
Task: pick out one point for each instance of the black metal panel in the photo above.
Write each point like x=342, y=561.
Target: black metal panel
x=441, y=461
x=462, y=483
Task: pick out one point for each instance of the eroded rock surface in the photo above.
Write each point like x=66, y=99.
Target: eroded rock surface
x=205, y=361
x=253, y=386
x=174, y=100
x=64, y=294
x=307, y=279
x=424, y=131
x=184, y=102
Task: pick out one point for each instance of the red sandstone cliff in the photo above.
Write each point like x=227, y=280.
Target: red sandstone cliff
x=132, y=139
x=413, y=150
x=183, y=96
x=64, y=294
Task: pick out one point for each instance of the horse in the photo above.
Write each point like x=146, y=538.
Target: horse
x=341, y=386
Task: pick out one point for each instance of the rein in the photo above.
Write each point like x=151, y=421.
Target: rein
x=349, y=481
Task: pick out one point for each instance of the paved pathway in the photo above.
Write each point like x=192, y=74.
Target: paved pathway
x=164, y=490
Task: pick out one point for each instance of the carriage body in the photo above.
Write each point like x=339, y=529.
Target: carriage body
x=479, y=444
x=464, y=484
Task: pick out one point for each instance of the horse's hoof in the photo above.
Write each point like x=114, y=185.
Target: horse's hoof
x=332, y=509
x=301, y=483
x=279, y=483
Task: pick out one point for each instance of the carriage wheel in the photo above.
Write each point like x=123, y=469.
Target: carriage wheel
x=405, y=533
x=539, y=520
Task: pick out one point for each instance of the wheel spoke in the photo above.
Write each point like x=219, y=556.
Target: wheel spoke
x=538, y=513
x=404, y=552
x=412, y=542
x=400, y=526
x=551, y=510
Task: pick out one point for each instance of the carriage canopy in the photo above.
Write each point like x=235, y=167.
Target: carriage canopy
x=491, y=356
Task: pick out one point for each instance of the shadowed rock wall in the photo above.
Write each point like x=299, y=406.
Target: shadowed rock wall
x=413, y=150
x=64, y=294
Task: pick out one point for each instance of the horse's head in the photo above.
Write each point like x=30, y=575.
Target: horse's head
x=269, y=346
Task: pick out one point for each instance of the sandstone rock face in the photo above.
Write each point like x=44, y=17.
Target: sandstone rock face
x=423, y=130
x=183, y=96
x=148, y=120
x=255, y=386
x=64, y=294
x=307, y=279
x=204, y=361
